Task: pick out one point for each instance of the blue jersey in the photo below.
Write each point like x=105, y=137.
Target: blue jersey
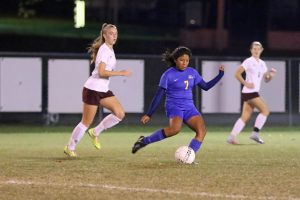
x=178, y=85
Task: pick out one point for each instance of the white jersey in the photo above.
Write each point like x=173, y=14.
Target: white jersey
x=255, y=70
x=94, y=82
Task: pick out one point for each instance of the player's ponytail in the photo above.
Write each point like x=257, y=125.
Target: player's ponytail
x=93, y=49
x=170, y=58
x=167, y=57
x=102, y=39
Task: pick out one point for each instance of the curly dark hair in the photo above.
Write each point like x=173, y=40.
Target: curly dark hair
x=170, y=58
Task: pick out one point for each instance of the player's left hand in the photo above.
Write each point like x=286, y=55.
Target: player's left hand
x=126, y=72
x=273, y=72
x=222, y=68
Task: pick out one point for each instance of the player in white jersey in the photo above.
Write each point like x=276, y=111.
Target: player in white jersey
x=96, y=90
x=256, y=70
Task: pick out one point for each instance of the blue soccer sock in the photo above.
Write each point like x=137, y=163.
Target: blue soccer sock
x=195, y=145
x=155, y=137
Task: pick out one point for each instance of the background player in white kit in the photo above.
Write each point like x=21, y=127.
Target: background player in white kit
x=255, y=69
x=96, y=90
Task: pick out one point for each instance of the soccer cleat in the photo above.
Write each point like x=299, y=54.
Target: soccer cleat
x=69, y=152
x=232, y=141
x=257, y=139
x=138, y=144
x=195, y=163
x=94, y=138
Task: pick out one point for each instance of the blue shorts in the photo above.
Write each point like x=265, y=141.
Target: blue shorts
x=175, y=111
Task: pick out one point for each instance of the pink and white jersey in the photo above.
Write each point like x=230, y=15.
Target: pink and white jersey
x=255, y=70
x=94, y=82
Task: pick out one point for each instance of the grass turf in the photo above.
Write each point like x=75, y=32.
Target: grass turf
x=33, y=166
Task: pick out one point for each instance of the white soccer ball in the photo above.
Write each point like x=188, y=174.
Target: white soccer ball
x=185, y=154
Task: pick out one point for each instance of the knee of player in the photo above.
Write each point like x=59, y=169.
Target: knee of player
x=120, y=115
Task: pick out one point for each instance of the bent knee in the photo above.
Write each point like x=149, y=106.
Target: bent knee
x=120, y=115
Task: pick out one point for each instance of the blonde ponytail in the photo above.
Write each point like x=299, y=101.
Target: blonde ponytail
x=93, y=49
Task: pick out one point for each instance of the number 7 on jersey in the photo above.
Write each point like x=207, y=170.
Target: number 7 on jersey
x=186, y=84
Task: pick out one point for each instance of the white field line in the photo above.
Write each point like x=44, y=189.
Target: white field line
x=149, y=190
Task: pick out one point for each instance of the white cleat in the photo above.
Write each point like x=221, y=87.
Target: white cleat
x=257, y=139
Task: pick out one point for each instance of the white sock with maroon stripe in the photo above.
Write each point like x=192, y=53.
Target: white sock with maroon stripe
x=108, y=122
x=237, y=128
x=76, y=136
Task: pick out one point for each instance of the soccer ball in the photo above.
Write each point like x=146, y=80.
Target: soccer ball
x=185, y=154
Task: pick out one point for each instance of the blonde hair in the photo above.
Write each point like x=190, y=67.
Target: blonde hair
x=256, y=43
x=93, y=49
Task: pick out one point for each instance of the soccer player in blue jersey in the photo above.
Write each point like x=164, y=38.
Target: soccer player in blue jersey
x=177, y=84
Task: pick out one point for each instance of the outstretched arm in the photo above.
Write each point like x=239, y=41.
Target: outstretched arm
x=154, y=104
x=207, y=85
x=103, y=73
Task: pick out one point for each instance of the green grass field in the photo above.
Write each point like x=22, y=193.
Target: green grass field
x=33, y=166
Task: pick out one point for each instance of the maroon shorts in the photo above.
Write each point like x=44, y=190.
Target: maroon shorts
x=92, y=97
x=248, y=96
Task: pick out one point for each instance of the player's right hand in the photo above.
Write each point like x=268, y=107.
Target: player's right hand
x=249, y=85
x=145, y=119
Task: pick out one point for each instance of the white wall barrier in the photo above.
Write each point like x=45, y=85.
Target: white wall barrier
x=65, y=82
x=225, y=96
x=20, y=84
x=67, y=77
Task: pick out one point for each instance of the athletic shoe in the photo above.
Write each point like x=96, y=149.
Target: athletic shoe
x=94, y=138
x=257, y=139
x=232, y=141
x=69, y=152
x=138, y=144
